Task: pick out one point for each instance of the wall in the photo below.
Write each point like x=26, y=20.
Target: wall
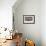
x=43, y=22
x=28, y=7
x=6, y=13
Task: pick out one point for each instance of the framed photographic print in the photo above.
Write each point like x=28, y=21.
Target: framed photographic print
x=28, y=19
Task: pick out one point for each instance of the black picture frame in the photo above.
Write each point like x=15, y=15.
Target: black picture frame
x=28, y=19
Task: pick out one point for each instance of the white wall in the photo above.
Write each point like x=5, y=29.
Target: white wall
x=6, y=13
x=28, y=7
x=43, y=22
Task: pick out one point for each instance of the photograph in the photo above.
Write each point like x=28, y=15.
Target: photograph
x=28, y=19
